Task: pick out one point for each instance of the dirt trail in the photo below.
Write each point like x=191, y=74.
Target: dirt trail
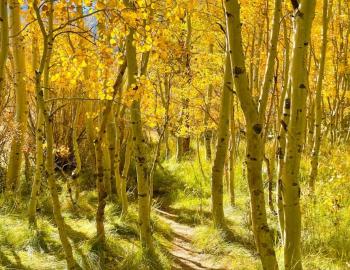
x=184, y=253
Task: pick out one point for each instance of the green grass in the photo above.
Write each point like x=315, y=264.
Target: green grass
x=326, y=218
x=183, y=189
x=24, y=248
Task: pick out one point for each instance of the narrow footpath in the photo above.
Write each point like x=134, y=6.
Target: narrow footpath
x=185, y=255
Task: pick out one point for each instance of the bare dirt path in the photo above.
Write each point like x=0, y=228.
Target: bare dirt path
x=184, y=253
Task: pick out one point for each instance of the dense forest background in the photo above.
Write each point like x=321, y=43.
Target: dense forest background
x=174, y=134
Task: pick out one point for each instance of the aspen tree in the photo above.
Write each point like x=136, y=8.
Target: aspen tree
x=48, y=120
x=208, y=132
x=188, y=46
x=39, y=142
x=128, y=152
x=16, y=153
x=117, y=153
x=310, y=123
x=76, y=172
x=165, y=98
x=318, y=100
x=232, y=155
x=270, y=62
x=283, y=120
x=111, y=135
x=101, y=192
x=183, y=141
x=119, y=130
x=106, y=161
x=254, y=115
x=167, y=84
x=221, y=148
x=295, y=134
x=269, y=156
x=117, y=161
x=90, y=131
x=99, y=157
x=4, y=45
x=281, y=154
x=154, y=164
x=108, y=138
x=143, y=184
x=106, y=158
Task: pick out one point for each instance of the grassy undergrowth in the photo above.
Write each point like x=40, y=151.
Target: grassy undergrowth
x=184, y=190
x=326, y=214
x=26, y=248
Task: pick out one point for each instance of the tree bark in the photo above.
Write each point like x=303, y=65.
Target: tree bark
x=283, y=120
x=16, y=152
x=142, y=170
x=318, y=100
x=208, y=132
x=48, y=120
x=254, y=115
x=99, y=157
x=232, y=156
x=124, y=176
x=39, y=150
x=295, y=135
x=221, y=148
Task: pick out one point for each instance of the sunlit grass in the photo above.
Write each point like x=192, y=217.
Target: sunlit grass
x=183, y=188
x=22, y=247
x=326, y=218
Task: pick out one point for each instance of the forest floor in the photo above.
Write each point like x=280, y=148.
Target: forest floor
x=183, y=232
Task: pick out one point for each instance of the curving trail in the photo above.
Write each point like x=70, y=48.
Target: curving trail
x=185, y=255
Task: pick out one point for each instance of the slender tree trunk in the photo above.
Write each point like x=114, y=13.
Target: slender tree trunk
x=16, y=152
x=76, y=152
x=270, y=178
x=283, y=120
x=184, y=140
x=111, y=138
x=48, y=120
x=232, y=156
x=99, y=158
x=254, y=115
x=263, y=236
x=310, y=124
x=281, y=154
x=124, y=176
x=295, y=135
x=39, y=141
x=142, y=170
x=188, y=47
x=119, y=128
x=318, y=100
x=166, y=117
x=221, y=148
x=117, y=158
x=100, y=229
x=90, y=131
x=208, y=132
x=106, y=161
